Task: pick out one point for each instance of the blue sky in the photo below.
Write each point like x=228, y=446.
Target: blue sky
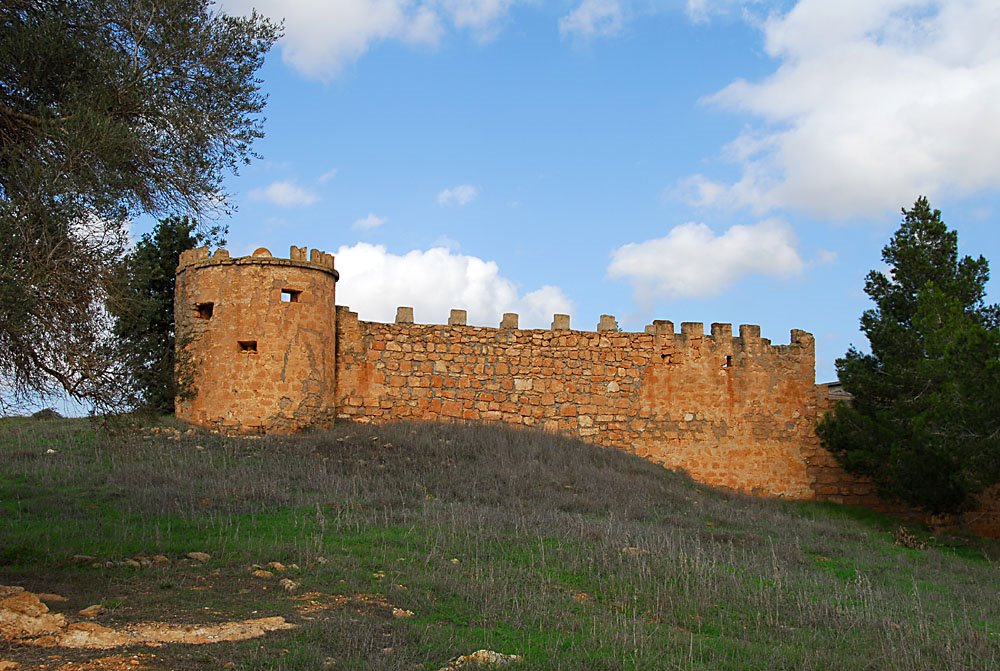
x=707, y=160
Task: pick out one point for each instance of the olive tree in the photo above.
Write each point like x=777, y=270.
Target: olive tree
x=109, y=109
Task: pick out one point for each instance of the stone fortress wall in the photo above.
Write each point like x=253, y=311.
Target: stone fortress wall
x=266, y=350
x=256, y=340
x=732, y=411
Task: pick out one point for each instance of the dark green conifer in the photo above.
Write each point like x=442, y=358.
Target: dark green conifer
x=924, y=423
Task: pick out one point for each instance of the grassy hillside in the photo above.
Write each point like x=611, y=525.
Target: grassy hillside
x=573, y=556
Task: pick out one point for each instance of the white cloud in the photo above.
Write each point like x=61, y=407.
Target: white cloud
x=874, y=102
x=284, y=194
x=368, y=223
x=593, y=18
x=483, y=17
x=375, y=282
x=323, y=36
x=701, y=11
x=692, y=261
x=327, y=176
x=462, y=194
x=826, y=257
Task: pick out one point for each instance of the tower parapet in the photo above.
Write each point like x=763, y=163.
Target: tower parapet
x=256, y=340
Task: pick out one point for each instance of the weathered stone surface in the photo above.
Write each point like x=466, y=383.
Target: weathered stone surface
x=736, y=412
x=404, y=315
x=256, y=341
x=481, y=659
x=26, y=620
x=509, y=321
x=749, y=406
x=90, y=612
x=607, y=323
x=23, y=615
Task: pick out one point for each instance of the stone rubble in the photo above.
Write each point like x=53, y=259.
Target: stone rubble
x=25, y=620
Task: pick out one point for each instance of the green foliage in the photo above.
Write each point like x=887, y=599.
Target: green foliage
x=108, y=109
x=143, y=308
x=924, y=423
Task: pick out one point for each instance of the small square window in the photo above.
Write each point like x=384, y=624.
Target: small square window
x=204, y=310
x=248, y=346
x=290, y=295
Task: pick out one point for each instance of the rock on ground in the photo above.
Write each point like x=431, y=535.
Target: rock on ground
x=482, y=659
x=26, y=620
x=23, y=615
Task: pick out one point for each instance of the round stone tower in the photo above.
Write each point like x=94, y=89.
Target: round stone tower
x=256, y=340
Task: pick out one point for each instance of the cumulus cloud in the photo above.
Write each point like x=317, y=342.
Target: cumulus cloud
x=285, y=194
x=462, y=194
x=691, y=261
x=593, y=18
x=322, y=36
x=434, y=281
x=368, y=223
x=873, y=103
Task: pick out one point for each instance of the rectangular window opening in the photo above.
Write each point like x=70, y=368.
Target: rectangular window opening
x=248, y=346
x=204, y=310
x=729, y=361
x=290, y=295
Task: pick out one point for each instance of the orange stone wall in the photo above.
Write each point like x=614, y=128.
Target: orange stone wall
x=736, y=412
x=732, y=411
x=257, y=363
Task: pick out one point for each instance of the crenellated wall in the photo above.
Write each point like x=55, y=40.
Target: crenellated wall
x=262, y=347
x=732, y=411
x=255, y=340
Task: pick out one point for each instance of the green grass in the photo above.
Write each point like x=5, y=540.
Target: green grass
x=574, y=556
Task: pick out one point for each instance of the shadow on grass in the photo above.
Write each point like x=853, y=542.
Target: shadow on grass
x=572, y=555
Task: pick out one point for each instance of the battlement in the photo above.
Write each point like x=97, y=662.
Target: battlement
x=256, y=336
x=269, y=350
x=692, y=334
x=263, y=347
x=201, y=257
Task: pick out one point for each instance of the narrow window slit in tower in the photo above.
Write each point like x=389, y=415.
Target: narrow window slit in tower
x=204, y=310
x=248, y=346
x=290, y=295
x=729, y=361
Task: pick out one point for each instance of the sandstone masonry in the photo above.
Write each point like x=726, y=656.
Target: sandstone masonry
x=256, y=340
x=264, y=348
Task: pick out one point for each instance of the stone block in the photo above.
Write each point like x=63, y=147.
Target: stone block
x=693, y=329
x=560, y=322
x=607, y=323
x=722, y=330
x=404, y=315
x=510, y=320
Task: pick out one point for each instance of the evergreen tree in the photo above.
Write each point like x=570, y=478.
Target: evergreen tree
x=143, y=308
x=108, y=109
x=924, y=422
